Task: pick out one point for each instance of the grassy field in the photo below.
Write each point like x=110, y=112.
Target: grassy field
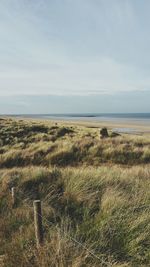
x=95, y=196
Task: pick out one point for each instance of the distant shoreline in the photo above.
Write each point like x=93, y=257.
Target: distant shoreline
x=99, y=116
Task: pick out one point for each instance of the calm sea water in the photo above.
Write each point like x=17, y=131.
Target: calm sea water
x=139, y=117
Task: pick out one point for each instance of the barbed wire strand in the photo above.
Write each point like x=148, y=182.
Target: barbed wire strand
x=48, y=223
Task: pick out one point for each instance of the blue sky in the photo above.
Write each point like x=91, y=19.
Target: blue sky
x=93, y=53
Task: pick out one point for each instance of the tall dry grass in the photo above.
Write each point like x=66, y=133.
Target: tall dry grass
x=95, y=200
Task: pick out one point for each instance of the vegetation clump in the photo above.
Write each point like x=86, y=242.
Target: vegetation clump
x=104, y=133
x=114, y=134
x=63, y=131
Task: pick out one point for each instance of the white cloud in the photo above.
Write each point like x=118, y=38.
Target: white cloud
x=76, y=47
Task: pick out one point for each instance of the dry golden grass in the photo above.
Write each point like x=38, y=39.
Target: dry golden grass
x=95, y=196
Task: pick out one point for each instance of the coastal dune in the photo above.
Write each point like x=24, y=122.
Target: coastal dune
x=94, y=191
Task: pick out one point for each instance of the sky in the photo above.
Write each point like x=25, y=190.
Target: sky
x=64, y=56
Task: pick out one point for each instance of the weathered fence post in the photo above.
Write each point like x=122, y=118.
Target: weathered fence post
x=38, y=222
x=13, y=196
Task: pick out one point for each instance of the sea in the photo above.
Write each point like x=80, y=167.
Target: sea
x=116, y=117
x=83, y=116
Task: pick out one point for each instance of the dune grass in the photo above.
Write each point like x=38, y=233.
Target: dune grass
x=95, y=196
x=31, y=143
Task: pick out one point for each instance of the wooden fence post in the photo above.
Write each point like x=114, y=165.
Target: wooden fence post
x=13, y=196
x=38, y=222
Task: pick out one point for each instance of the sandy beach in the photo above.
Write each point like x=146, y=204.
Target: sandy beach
x=125, y=126
x=129, y=127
